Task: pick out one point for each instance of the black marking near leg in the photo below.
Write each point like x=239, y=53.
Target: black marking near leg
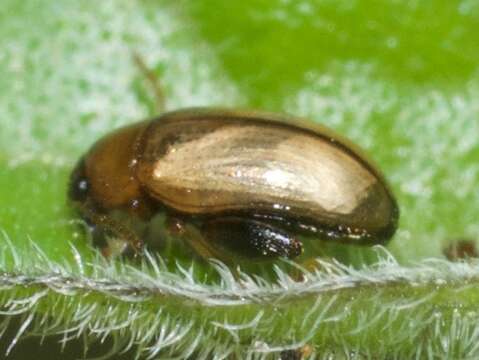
x=250, y=239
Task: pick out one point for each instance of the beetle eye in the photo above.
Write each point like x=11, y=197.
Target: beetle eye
x=78, y=183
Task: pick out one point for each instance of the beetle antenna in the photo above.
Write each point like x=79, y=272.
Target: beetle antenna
x=153, y=80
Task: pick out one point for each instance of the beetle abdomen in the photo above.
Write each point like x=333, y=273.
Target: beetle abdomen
x=201, y=162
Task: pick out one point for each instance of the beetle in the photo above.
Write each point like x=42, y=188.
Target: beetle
x=247, y=183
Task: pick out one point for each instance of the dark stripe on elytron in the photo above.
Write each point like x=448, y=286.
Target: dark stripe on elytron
x=306, y=226
x=171, y=138
x=332, y=232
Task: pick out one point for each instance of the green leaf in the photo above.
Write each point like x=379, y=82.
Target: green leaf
x=399, y=79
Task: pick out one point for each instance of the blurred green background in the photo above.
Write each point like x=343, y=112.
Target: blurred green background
x=399, y=78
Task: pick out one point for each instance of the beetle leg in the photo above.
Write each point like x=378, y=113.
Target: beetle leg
x=101, y=224
x=237, y=237
x=152, y=80
x=192, y=236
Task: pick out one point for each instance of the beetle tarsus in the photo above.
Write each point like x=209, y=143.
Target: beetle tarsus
x=102, y=224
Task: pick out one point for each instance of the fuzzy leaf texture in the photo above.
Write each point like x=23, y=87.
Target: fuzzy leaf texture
x=400, y=79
